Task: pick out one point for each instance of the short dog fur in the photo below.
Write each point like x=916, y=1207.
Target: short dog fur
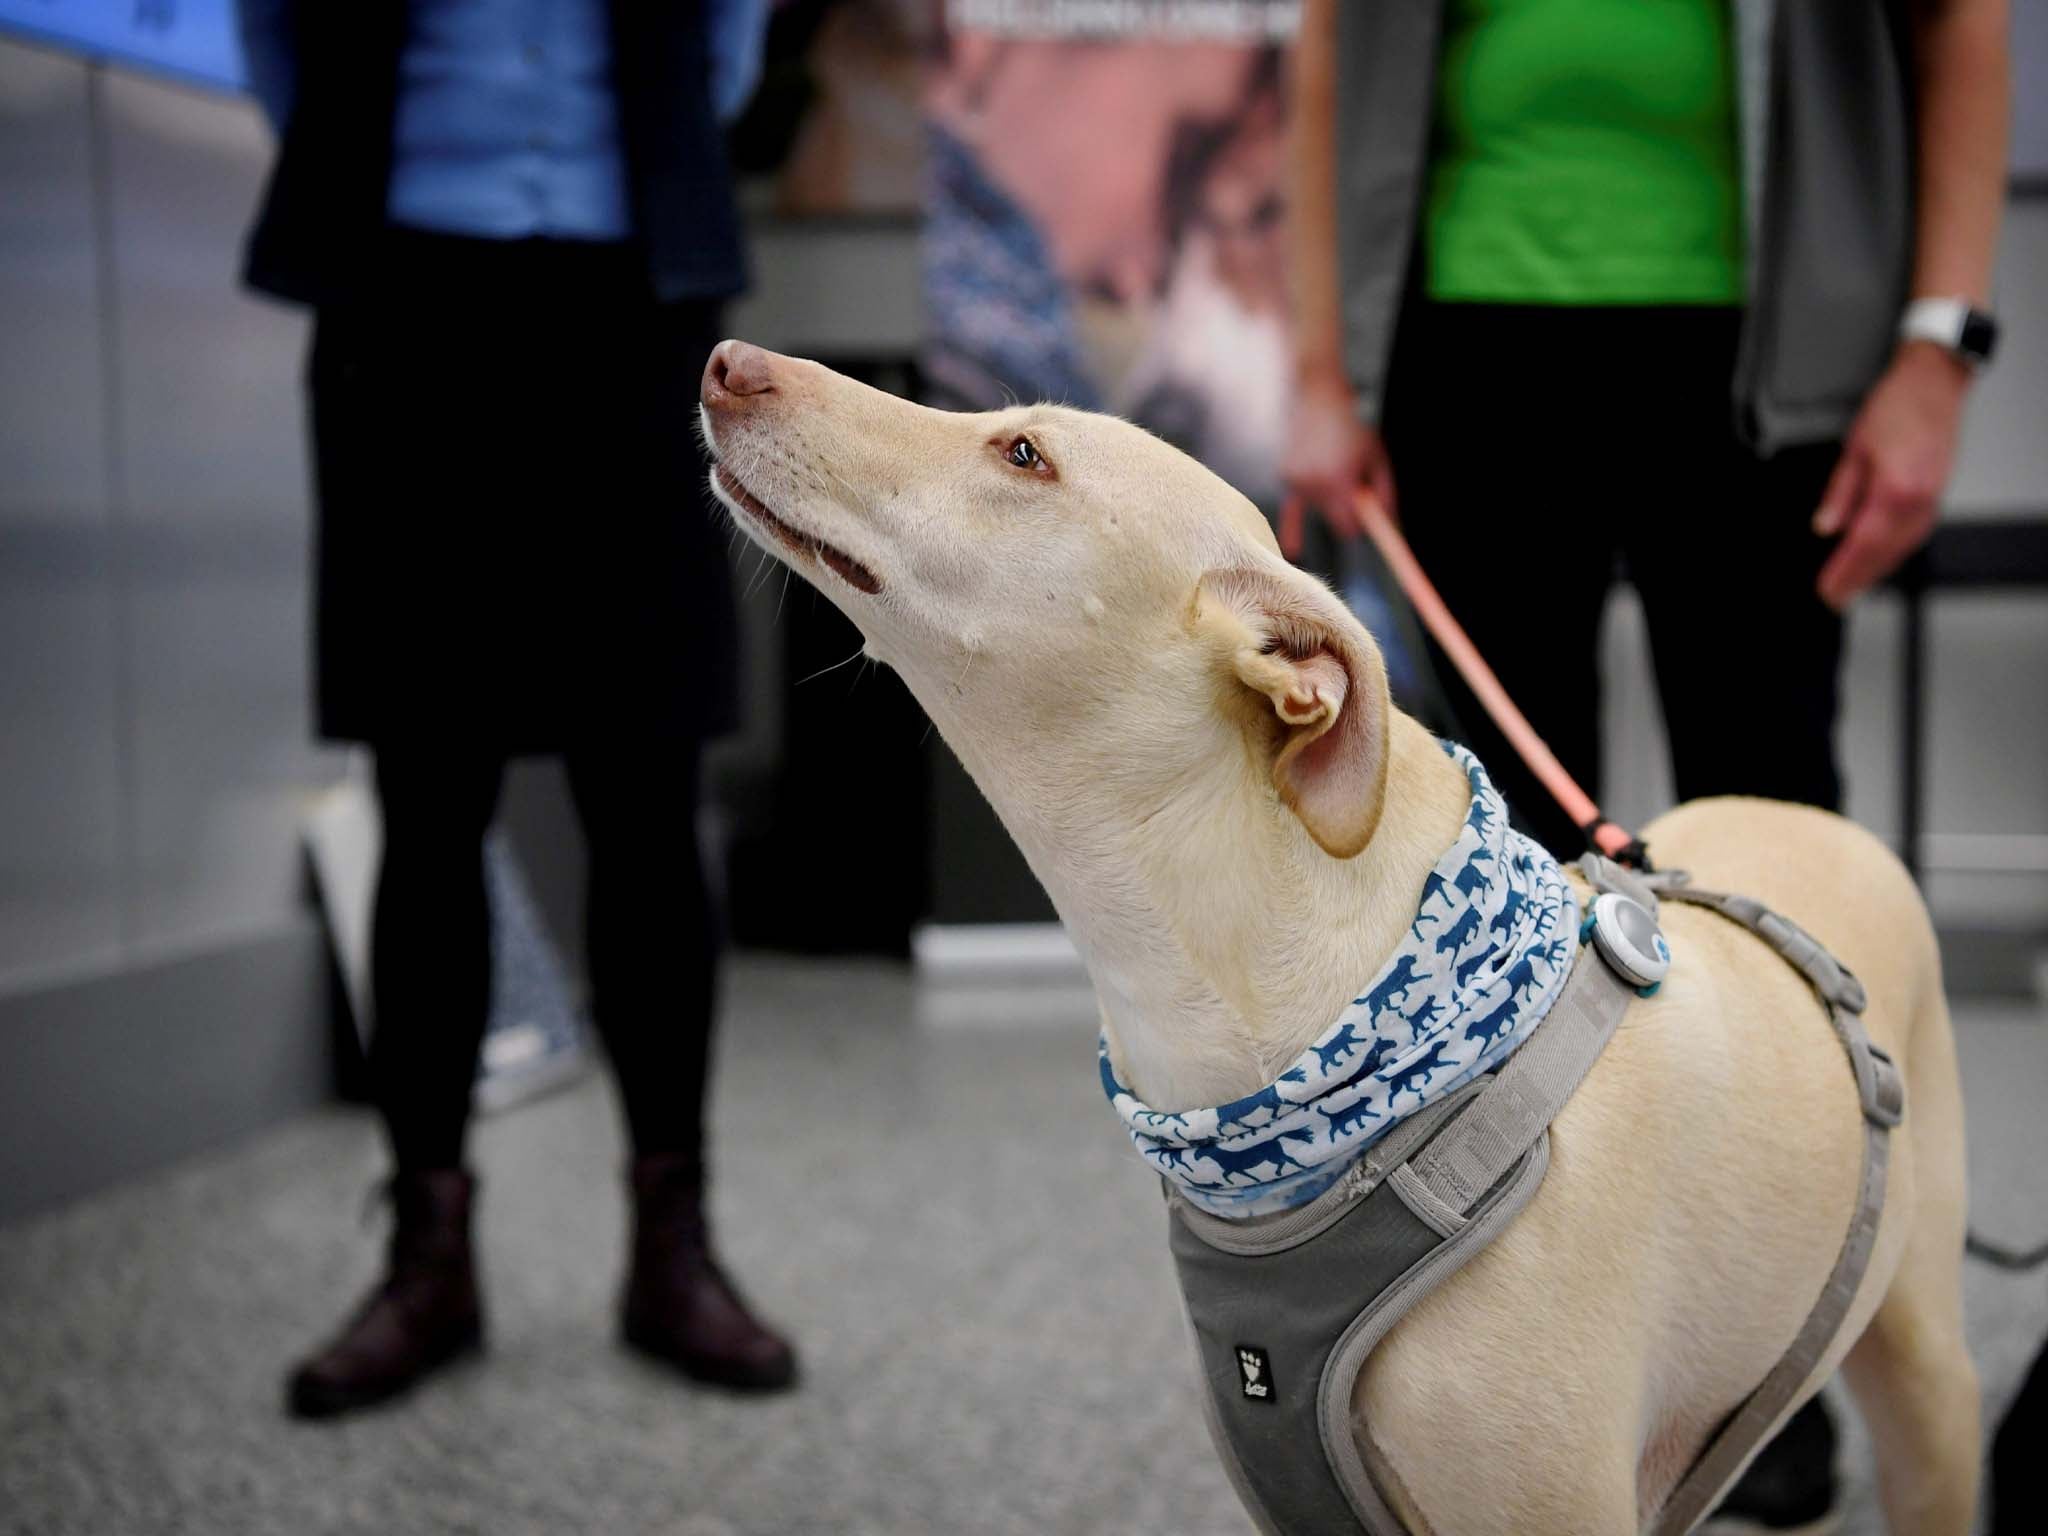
x=1193, y=745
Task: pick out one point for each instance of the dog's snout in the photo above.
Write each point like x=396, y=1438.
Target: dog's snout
x=737, y=373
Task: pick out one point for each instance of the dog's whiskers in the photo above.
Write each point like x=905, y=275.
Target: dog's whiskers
x=763, y=572
x=960, y=682
x=859, y=651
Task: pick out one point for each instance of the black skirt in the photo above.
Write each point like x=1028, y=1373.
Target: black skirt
x=516, y=548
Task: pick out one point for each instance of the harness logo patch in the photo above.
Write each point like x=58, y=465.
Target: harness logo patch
x=1254, y=1373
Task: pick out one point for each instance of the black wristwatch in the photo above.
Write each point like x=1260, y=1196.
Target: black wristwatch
x=1954, y=324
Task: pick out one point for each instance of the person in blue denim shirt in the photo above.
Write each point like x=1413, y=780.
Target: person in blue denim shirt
x=515, y=225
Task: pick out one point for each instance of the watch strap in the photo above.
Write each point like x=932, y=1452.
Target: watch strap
x=1952, y=323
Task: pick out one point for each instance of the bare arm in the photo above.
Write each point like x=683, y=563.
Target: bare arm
x=1330, y=452
x=1963, y=86
x=1886, y=492
x=1312, y=194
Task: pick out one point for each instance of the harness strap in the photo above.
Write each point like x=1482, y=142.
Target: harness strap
x=1879, y=1083
x=1881, y=1089
x=1831, y=979
x=1608, y=875
x=1475, y=1151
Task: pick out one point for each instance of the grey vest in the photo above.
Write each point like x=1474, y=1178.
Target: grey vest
x=1286, y=1309
x=1827, y=158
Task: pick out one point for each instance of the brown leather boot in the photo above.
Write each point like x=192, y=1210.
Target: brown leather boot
x=679, y=1306
x=422, y=1314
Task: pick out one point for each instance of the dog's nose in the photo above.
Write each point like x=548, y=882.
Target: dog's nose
x=737, y=371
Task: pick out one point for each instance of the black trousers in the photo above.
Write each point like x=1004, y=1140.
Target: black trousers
x=1536, y=450
x=651, y=941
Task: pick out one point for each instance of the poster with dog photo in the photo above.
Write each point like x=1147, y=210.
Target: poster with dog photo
x=1104, y=218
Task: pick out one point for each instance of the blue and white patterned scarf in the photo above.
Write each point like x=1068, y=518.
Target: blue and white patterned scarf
x=1491, y=945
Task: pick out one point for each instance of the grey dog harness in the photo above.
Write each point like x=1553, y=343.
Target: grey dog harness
x=1286, y=1308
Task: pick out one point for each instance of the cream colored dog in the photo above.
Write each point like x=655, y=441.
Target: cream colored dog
x=1192, y=743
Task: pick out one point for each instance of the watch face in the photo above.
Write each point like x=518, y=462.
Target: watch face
x=1980, y=335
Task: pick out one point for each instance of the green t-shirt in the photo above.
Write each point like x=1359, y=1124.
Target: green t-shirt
x=1585, y=152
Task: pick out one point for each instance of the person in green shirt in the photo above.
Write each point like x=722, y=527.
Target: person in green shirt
x=1692, y=289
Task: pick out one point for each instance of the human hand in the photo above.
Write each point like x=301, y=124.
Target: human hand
x=1330, y=454
x=1886, y=492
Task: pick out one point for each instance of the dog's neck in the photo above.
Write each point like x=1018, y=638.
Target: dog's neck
x=1221, y=940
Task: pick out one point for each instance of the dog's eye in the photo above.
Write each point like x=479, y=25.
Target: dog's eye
x=1024, y=454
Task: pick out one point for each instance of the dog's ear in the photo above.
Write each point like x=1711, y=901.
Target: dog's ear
x=1324, y=718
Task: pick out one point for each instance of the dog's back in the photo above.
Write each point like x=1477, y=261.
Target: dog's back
x=1828, y=875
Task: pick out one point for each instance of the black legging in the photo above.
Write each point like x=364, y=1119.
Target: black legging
x=650, y=939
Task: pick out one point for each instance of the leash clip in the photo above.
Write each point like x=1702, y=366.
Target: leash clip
x=1611, y=840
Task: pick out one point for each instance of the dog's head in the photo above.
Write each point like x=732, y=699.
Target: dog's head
x=1070, y=599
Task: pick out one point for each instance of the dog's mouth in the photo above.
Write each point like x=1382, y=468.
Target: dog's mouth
x=795, y=540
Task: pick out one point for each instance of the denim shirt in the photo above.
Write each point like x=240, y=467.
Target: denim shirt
x=506, y=124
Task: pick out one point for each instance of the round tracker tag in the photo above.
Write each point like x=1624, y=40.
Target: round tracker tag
x=1627, y=938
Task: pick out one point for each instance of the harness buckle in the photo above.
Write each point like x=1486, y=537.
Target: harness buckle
x=1605, y=875
x=1848, y=991
x=1884, y=1103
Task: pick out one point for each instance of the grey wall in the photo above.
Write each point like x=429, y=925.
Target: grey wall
x=153, y=531
x=162, y=986
x=106, y=1075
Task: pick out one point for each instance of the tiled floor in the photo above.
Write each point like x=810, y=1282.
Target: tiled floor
x=943, y=1213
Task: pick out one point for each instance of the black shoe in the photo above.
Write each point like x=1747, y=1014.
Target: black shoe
x=423, y=1314
x=1789, y=1490
x=679, y=1306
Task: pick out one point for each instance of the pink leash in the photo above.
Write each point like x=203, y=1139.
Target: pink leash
x=1602, y=835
